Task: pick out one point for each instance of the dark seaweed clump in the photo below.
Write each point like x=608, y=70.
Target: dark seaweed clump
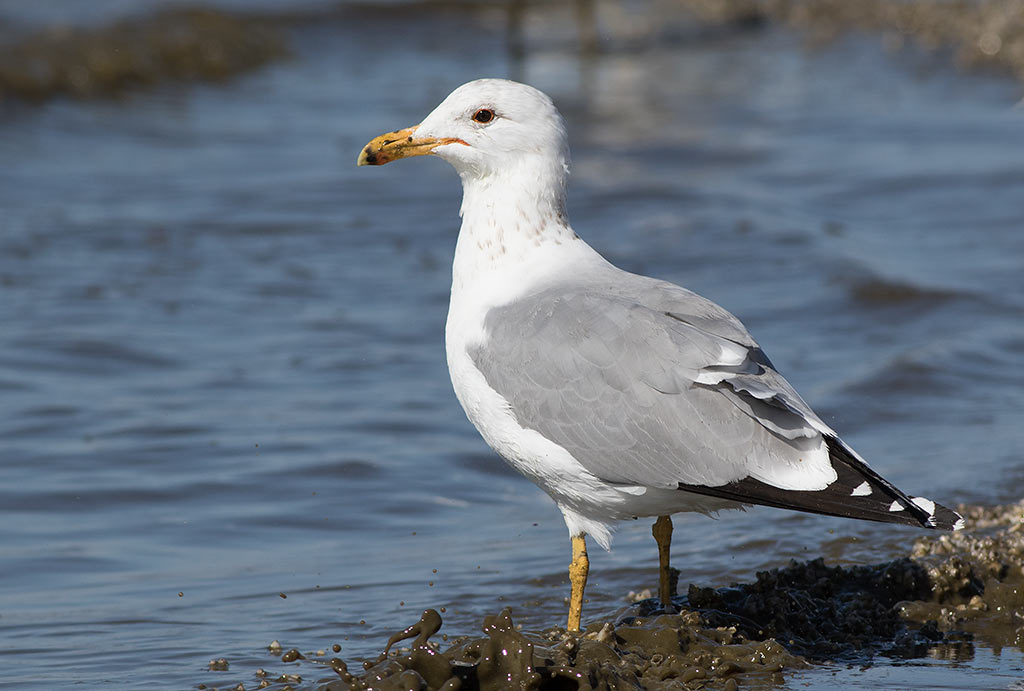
x=826, y=613
x=172, y=45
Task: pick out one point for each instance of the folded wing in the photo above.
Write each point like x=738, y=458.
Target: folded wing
x=654, y=386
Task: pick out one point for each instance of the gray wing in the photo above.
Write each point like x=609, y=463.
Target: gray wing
x=649, y=384
x=645, y=389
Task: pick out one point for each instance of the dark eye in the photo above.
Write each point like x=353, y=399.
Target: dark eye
x=484, y=115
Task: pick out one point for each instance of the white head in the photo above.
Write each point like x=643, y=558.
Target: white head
x=502, y=124
x=489, y=130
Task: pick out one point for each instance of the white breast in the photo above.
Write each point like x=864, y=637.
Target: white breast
x=483, y=279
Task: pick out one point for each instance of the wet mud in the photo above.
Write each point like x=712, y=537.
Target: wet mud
x=952, y=592
x=977, y=578
x=173, y=45
x=985, y=33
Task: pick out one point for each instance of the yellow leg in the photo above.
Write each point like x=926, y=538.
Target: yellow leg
x=578, y=570
x=662, y=532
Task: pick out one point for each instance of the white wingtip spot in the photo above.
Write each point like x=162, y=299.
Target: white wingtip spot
x=896, y=506
x=861, y=490
x=959, y=525
x=926, y=504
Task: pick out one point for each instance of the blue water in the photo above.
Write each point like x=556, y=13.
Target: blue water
x=222, y=376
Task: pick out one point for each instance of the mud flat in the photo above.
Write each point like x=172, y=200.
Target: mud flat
x=953, y=592
x=172, y=45
x=985, y=33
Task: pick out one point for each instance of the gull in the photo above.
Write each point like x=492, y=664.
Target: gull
x=621, y=396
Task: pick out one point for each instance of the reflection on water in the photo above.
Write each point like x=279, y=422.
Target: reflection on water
x=221, y=360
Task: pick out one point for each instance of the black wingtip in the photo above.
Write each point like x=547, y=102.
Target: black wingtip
x=904, y=509
x=858, y=492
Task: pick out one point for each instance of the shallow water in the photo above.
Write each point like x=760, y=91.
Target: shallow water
x=222, y=376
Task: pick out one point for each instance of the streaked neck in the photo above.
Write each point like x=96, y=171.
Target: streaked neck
x=506, y=219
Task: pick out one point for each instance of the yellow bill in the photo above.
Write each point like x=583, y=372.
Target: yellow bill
x=401, y=144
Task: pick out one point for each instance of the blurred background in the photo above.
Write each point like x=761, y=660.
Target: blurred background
x=225, y=414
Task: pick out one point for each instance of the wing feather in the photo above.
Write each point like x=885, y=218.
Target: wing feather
x=628, y=391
